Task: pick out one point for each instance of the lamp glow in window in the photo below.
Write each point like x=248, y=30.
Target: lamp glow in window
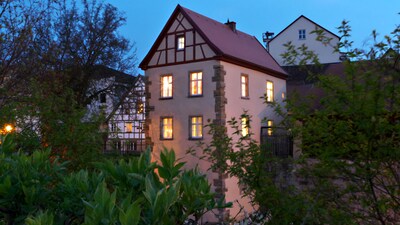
x=270, y=92
x=244, y=85
x=181, y=43
x=196, y=127
x=129, y=127
x=166, y=86
x=245, y=126
x=166, y=128
x=270, y=124
x=196, y=84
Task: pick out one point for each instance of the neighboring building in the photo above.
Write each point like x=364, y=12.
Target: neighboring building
x=126, y=122
x=201, y=70
x=121, y=99
x=300, y=32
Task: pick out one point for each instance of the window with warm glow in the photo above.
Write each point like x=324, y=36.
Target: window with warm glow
x=129, y=127
x=166, y=86
x=166, y=128
x=244, y=85
x=180, y=43
x=245, y=126
x=196, y=84
x=196, y=127
x=270, y=124
x=270, y=91
x=139, y=106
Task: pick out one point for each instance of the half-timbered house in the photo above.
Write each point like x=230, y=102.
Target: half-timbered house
x=201, y=70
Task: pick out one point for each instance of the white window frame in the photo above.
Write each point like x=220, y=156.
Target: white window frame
x=269, y=95
x=302, y=34
x=180, y=42
x=195, y=127
x=196, y=84
x=166, y=86
x=244, y=86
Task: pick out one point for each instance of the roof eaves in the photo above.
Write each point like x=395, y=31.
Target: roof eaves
x=241, y=62
x=153, y=49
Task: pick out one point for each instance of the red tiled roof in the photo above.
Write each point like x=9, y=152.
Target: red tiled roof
x=235, y=44
x=232, y=46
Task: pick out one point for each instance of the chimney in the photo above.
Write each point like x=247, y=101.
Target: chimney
x=231, y=25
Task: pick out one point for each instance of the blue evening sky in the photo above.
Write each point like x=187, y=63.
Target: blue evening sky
x=146, y=18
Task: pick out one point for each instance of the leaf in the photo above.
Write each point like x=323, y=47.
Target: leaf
x=131, y=216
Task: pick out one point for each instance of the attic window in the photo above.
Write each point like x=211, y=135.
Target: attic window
x=180, y=42
x=302, y=34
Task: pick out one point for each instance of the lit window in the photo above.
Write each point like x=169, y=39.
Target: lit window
x=181, y=43
x=166, y=128
x=302, y=34
x=245, y=126
x=270, y=124
x=128, y=127
x=196, y=127
x=139, y=106
x=166, y=86
x=196, y=84
x=270, y=92
x=244, y=85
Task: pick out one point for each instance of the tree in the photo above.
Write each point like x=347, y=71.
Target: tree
x=349, y=169
x=353, y=138
x=49, y=69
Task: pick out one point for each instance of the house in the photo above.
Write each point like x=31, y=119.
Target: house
x=302, y=32
x=201, y=70
x=126, y=122
x=120, y=99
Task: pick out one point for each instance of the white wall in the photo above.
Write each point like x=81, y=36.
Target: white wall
x=325, y=52
x=255, y=106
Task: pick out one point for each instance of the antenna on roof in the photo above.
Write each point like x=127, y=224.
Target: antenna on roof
x=267, y=37
x=231, y=25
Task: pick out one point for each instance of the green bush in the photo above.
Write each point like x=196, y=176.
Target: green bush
x=38, y=189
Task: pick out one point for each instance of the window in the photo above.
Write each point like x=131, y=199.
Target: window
x=166, y=86
x=129, y=127
x=302, y=34
x=139, y=106
x=196, y=84
x=117, y=145
x=244, y=85
x=245, y=125
x=180, y=42
x=166, y=128
x=114, y=127
x=270, y=92
x=196, y=127
x=130, y=146
x=270, y=124
x=103, y=98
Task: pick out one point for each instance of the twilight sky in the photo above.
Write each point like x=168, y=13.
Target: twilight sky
x=146, y=18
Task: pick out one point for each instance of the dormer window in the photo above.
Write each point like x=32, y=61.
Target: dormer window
x=180, y=42
x=302, y=34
